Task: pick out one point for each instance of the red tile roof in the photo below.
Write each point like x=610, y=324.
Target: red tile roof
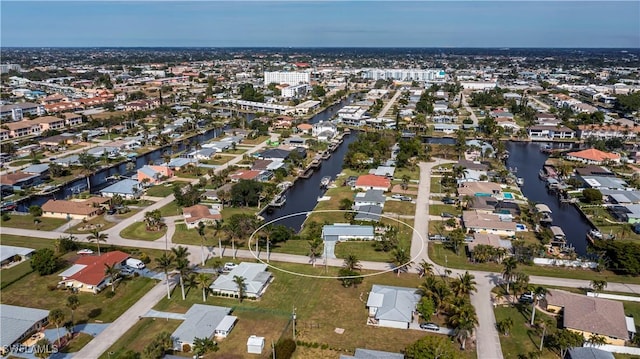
x=373, y=181
x=594, y=155
x=243, y=174
x=93, y=273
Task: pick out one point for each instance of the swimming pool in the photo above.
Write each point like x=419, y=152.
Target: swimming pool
x=508, y=195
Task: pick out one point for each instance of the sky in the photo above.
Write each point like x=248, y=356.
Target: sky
x=510, y=23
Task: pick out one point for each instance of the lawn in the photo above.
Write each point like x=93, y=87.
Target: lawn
x=10, y=275
x=26, y=222
x=413, y=175
x=101, y=221
x=316, y=321
x=363, y=250
x=230, y=211
x=522, y=339
x=436, y=186
x=162, y=190
x=400, y=207
x=437, y=253
x=438, y=209
x=220, y=160
x=34, y=290
x=77, y=343
x=171, y=209
x=190, y=236
x=255, y=141
x=293, y=246
x=138, y=230
x=29, y=242
x=140, y=335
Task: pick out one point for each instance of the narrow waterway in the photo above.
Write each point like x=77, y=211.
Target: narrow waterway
x=528, y=160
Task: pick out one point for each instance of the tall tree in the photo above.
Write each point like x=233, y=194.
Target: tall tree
x=112, y=273
x=56, y=317
x=89, y=164
x=241, y=284
x=538, y=292
x=598, y=285
x=97, y=237
x=509, y=266
x=165, y=264
x=314, y=249
x=182, y=265
x=201, y=230
x=202, y=281
x=73, y=302
x=401, y=260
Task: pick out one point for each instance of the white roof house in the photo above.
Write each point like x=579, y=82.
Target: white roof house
x=256, y=279
x=127, y=188
x=344, y=231
x=392, y=307
x=7, y=253
x=19, y=322
x=203, y=321
x=372, y=354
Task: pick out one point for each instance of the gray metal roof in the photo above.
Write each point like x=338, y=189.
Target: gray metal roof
x=124, y=186
x=383, y=171
x=39, y=168
x=347, y=230
x=201, y=322
x=393, y=303
x=588, y=353
x=368, y=213
x=606, y=182
x=17, y=320
x=372, y=196
x=255, y=274
x=372, y=354
x=7, y=252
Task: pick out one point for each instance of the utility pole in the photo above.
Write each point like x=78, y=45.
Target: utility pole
x=294, y=323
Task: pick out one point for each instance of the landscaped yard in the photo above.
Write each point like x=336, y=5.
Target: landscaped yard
x=190, y=236
x=522, y=338
x=171, y=209
x=316, y=320
x=10, y=275
x=138, y=230
x=140, y=335
x=162, y=190
x=401, y=172
x=26, y=222
x=363, y=250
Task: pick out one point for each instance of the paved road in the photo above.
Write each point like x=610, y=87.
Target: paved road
x=387, y=107
x=540, y=103
x=472, y=115
x=103, y=341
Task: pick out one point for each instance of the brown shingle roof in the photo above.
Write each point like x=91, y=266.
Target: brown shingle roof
x=72, y=207
x=13, y=178
x=593, y=315
x=199, y=211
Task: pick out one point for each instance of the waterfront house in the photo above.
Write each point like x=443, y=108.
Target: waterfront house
x=371, y=197
x=84, y=210
x=68, y=161
x=486, y=189
x=198, y=213
x=126, y=188
x=387, y=171
x=489, y=239
x=324, y=131
x=154, y=174
x=205, y=322
x=608, y=130
x=589, y=315
x=266, y=165
x=392, y=307
x=367, y=213
x=550, y=132
x=243, y=174
x=19, y=323
x=256, y=276
x=478, y=221
x=628, y=213
x=87, y=274
x=593, y=156
x=19, y=180
x=604, y=182
x=367, y=182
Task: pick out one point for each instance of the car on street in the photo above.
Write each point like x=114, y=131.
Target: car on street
x=430, y=326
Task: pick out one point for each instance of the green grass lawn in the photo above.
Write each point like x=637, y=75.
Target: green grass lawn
x=255, y=141
x=138, y=230
x=10, y=275
x=161, y=190
x=437, y=187
x=220, y=160
x=171, y=209
x=522, y=339
x=316, y=320
x=26, y=222
x=413, y=175
x=437, y=253
x=22, y=241
x=140, y=335
x=292, y=246
x=400, y=207
x=364, y=250
x=190, y=236
x=230, y=211
x=437, y=209
x=77, y=343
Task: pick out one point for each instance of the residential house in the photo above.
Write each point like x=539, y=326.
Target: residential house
x=18, y=324
x=604, y=182
x=593, y=156
x=153, y=174
x=489, y=239
x=340, y=232
x=202, y=321
x=589, y=315
x=368, y=213
x=367, y=182
x=100, y=151
x=67, y=161
x=84, y=210
x=371, y=197
x=256, y=276
x=179, y=163
x=199, y=213
x=621, y=196
x=324, y=131
x=60, y=140
x=11, y=254
x=19, y=180
x=296, y=141
x=72, y=119
x=49, y=123
x=607, y=131
x=392, y=307
x=480, y=189
x=386, y=171
x=126, y=188
x=242, y=174
x=629, y=213
x=202, y=154
x=372, y=354
x=87, y=274
x=478, y=221
x=546, y=132
x=304, y=128
x=18, y=111
x=588, y=353
x=266, y=165
x=41, y=170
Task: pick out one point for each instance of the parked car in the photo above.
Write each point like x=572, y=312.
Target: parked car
x=526, y=298
x=406, y=198
x=448, y=200
x=430, y=326
x=126, y=271
x=397, y=196
x=112, y=211
x=447, y=215
x=229, y=266
x=85, y=251
x=438, y=237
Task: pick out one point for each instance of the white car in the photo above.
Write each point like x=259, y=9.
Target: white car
x=229, y=266
x=85, y=251
x=397, y=196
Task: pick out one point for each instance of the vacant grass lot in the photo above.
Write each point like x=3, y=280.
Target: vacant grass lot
x=140, y=335
x=255, y=141
x=316, y=319
x=10, y=275
x=171, y=209
x=138, y=230
x=412, y=174
x=293, y=246
x=363, y=250
x=161, y=190
x=438, y=209
x=437, y=253
x=400, y=207
x=26, y=222
x=522, y=339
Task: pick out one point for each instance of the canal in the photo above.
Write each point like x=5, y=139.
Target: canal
x=104, y=177
x=528, y=160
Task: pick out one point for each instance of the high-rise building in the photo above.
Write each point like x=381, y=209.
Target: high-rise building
x=285, y=77
x=404, y=74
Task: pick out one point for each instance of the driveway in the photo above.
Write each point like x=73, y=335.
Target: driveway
x=330, y=249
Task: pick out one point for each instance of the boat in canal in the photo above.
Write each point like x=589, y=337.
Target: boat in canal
x=559, y=238
x=324, y=182
x=279, y=201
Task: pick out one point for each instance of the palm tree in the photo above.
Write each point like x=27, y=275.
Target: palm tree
x=464, y=284
x=509, y=266
x=521, y=283
x=242, y=286
x=538, y=292
x=505, y=325
x=181, y=258
x=201, y=228
x=73, y=302
x=598, y=285
x=56, y=317
x=112, y=273
x=351, y=263
x=464, y=321
x=314, y=249
x=202, y=282
x=97, y=237
x=267, y=231
x=426, y=268
x=597, y=340
x=401, y=260
x=543, y=323
x=218, y=231
x=165, y=263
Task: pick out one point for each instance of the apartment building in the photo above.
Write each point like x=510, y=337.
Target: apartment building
x=404, y=74
x=16, y=112
x=286, y=77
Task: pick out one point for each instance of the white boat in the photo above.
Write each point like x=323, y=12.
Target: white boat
x=279, y=201
x=520, y=181
x=324, y=182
